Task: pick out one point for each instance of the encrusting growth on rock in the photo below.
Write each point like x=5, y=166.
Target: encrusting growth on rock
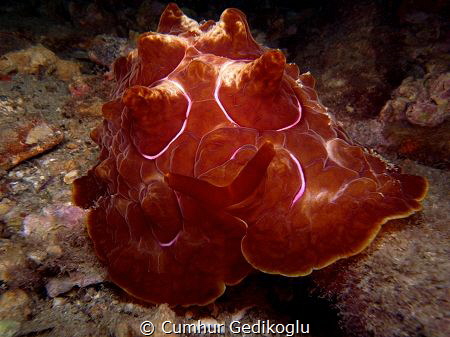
x=217, y=159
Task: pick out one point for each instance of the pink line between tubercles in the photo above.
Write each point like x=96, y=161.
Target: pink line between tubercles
x=298, y=117
x=302, y=178
x=239, y=149
x=171, y=242
x=188, y=110
x=216, y=91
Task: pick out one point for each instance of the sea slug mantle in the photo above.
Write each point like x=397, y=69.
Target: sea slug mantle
x=218, y=159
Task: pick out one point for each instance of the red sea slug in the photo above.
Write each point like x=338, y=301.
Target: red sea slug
x=218, y=159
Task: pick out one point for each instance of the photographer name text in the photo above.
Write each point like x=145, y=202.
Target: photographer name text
x=235, y=328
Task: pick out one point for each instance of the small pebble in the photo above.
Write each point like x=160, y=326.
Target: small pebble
x=72, y=146
x=128, y=308
x=58, y=301
x=70, y=165
x=38, y=133
x=37, y=256
x=5, y=206
x=54, y=250
x=70, y=177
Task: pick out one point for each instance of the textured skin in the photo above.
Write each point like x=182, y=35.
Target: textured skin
x=217, y=159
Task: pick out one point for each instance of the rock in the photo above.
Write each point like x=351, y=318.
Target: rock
x=59, y=238
x=360, y=54
x=59, y=242
x=38, y=133
x=55, y=219
x=423, y=101
x=424, y=114
x=70, y=177
x=28, y=61
x=35, y=59
x=440, y=90
x=57, y=286
x=15, y=305
x=416, y=119
x=24, y=140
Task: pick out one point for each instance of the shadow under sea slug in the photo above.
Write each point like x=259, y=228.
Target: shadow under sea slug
x=218, y=159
